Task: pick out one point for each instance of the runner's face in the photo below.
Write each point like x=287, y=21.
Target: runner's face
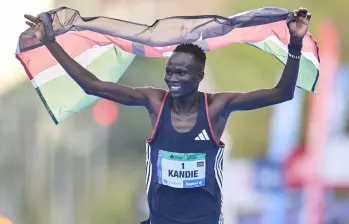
x=183, y=74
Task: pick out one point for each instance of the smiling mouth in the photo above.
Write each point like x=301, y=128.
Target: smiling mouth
x=175, y=87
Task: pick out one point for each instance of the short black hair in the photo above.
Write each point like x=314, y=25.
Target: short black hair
x=194, y=49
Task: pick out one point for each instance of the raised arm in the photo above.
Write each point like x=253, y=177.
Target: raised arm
x=285, y=88
x=84, y=78
x=93, y=86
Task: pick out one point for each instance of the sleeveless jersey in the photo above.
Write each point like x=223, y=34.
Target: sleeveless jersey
x=184, y=170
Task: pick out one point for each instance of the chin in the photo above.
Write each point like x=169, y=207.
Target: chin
x=179, y=94
x=176, y=94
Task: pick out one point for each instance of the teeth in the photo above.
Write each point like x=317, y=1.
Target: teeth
x=175, y=87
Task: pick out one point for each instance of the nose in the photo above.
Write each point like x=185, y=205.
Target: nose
x=173, y=77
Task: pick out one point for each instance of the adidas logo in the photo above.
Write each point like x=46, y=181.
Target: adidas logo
x=203, y=136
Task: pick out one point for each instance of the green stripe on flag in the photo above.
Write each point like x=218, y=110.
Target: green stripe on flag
x=62, y=97
x=308, y=73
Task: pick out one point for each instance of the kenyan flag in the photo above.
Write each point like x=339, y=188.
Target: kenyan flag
x=107, y=47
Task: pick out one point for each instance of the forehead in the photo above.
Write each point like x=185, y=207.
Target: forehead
x=181, y=59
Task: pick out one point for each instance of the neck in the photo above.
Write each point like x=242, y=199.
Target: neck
x=186, y=104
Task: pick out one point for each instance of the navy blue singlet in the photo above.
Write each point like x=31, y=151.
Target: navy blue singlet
x=184, y=171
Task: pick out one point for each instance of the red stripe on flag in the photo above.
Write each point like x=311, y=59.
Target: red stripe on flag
x=77, y=42
x=159, y=51
x=258, y=33
x=74, y=43
x=248, y=34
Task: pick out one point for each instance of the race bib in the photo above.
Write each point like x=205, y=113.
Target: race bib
x=181, y=170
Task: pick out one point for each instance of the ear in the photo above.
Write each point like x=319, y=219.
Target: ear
x=201, y=76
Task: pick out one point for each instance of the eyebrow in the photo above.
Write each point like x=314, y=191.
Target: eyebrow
x=177, y=68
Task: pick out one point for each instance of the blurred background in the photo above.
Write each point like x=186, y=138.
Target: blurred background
x=283, y=164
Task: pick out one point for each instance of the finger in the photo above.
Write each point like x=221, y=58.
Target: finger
x=308, y=16
x=32, y=18
x=295, y=13
x=32, y=25
x=303, y=12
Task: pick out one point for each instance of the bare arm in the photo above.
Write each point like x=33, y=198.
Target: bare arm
x=93, y=86
x=284, y=90
x=86, y=80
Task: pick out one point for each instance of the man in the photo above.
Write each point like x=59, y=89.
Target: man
x=184, y=153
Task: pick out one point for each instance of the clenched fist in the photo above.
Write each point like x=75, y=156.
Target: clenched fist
x=298, y=27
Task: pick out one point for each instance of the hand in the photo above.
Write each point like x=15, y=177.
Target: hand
x=39, y=28
x=299, y=26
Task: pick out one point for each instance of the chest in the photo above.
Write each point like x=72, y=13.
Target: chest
x=196, y=122
x=185, y=122
x=179, y=126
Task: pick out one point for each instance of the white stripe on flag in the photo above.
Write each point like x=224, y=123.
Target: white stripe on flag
x=84, y=59
x=309, y=55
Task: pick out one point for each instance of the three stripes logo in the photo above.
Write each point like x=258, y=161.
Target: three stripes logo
x=203, y=136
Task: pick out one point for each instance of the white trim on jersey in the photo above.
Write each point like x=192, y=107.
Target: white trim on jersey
x=219, y=176
x=221, y=219
x=149, y=169
x=217, y=168
x=202, y=136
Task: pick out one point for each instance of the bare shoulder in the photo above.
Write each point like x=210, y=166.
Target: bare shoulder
x=151, y=92
x=154, y=96
x=217, y=103
x=221, y=98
